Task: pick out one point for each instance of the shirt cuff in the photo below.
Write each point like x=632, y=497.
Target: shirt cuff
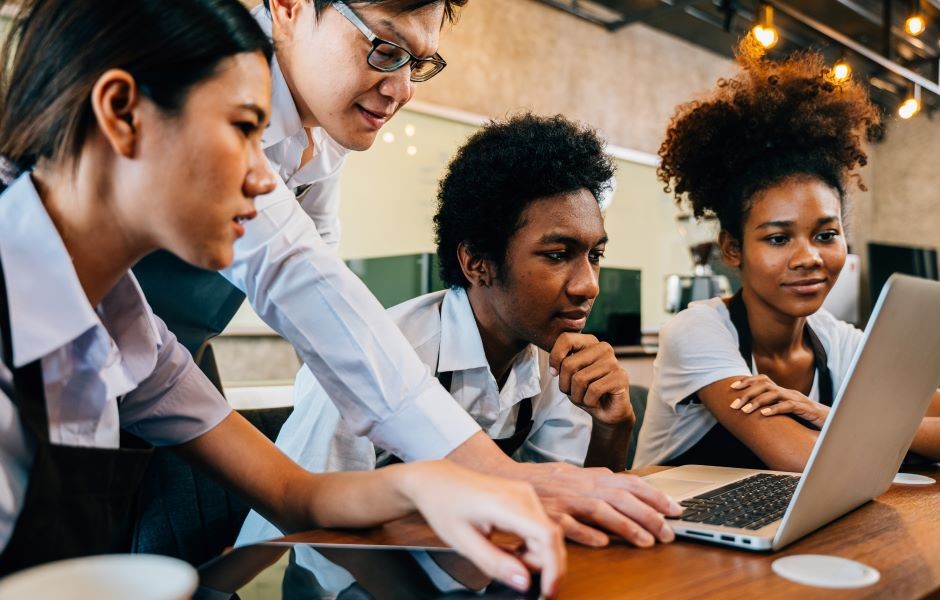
x=429, y=427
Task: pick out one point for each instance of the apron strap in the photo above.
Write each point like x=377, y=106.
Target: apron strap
x=745, y=345
x=29, y=395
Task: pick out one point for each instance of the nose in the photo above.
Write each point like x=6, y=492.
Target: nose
x=805, y=256
x=259, y=179
x=398, y=86
x=583, y=283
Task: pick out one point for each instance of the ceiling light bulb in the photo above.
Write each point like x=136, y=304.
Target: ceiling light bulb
x=916, y=24
x=411, y=150
x=388, y=137
x=409, y=130
x=841, y=71
x=909, y=108
x=766, y=36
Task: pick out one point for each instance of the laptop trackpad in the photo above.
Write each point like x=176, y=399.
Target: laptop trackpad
x=678, y=488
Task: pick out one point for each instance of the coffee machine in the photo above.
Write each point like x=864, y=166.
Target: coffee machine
x=701, y=236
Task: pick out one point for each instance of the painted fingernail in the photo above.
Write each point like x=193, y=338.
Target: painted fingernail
x=736, y=404
x=736, y=385
x=519, y=582
x=765, y=411
x=748, y=407
x=553, y=371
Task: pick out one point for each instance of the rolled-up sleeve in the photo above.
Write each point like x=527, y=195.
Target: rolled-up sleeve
x=299, y=286
x=176, y=402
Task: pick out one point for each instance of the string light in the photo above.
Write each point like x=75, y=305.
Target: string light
x=765, y=32
x=388, y=137
x=841, y=71
x=911, y=105
x=915, y=24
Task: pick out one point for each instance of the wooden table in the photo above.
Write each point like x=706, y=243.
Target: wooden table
x=898, y=534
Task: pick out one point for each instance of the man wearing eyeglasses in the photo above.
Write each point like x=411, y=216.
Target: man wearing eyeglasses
x=341, y=71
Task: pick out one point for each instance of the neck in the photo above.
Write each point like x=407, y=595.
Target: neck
x=773, y=333
x=81, y=208
x=500, y=349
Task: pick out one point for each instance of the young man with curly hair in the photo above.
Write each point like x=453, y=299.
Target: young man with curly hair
x=520, y=237
x=748, y=381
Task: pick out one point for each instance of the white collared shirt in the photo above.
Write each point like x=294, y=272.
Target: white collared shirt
x=296, y=282
x=444, y=333
x=105, y=368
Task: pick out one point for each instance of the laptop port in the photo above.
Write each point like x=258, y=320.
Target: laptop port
x=700, y=534
x=746, y=541
x=727, y=538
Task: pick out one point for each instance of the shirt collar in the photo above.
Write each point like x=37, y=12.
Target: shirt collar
x=49, y=311
x=462, y=346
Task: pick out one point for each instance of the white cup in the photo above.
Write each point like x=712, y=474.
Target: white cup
x=105, y=577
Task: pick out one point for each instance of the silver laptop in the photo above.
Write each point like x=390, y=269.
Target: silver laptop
x=873, y=420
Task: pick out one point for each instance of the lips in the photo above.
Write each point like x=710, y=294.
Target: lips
x=807, y=286
x=376, y=119
x=573, y=320
x=240, y=220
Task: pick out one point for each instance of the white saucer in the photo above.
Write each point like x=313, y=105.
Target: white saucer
x=825, y=571
x=912, y=479
x=106, y=577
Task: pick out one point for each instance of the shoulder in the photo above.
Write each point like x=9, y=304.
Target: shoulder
x=703, y=323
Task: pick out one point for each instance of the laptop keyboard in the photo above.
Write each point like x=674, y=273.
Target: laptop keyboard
x=750, y=503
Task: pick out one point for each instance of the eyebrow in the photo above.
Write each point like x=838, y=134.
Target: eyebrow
x=262, y=116
x=560, y=238
x=785, y=224
x=390, y=25
x=404, y=43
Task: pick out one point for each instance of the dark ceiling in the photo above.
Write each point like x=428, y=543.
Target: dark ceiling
x=718, y=24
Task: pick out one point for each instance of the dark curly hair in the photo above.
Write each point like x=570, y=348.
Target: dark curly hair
x=771, y=122
x=499, y=171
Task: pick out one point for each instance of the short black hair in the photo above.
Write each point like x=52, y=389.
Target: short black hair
x=499, y=171
x=450, y=6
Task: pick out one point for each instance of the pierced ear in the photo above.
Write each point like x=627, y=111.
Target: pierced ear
x=478, y=271
x=730, y=249
x=115, y=100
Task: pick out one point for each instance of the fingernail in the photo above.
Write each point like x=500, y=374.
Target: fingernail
x=736, y=385
x=765, y=411
x=553, y=371
x=519, y=582
x=747, y=407
x=675, y=506
x=666, y=534
x=645, y=539
x=736, y=404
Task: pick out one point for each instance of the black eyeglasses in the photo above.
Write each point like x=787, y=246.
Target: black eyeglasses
x=387, y=56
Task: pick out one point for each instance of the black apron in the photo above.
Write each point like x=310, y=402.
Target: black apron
x=508, y=445
x=719, y=447
x=79, y=501
x=195, y=304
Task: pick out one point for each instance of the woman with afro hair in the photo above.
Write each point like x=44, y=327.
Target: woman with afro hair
x=748, y=381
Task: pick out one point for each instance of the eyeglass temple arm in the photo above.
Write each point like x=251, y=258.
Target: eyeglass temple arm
x=354, y=19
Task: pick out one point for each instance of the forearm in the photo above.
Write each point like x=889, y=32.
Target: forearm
x=927, y=439
x=608, y=446
x=242, y=459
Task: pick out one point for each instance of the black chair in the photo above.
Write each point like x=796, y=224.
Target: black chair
x=638, y=400
x=186, y=514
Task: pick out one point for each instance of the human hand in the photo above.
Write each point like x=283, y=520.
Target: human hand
x=760, y=393
x=591, y=503
x=464, y=507
x=589, y=373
